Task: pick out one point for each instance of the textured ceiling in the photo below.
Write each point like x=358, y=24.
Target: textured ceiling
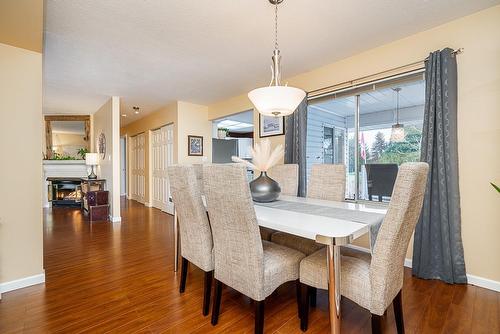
x=152, y=52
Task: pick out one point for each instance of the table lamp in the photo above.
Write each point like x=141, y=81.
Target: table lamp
x=92, y=159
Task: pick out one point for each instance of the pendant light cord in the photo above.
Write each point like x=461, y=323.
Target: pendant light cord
x=276, y=47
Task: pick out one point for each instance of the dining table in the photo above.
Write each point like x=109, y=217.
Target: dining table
x=333, y=224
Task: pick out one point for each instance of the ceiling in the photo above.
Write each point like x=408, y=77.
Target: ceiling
x=241, y=122
x=153, y=52
x=412, y=94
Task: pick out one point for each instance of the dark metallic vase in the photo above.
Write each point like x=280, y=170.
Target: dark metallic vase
x=264, y=189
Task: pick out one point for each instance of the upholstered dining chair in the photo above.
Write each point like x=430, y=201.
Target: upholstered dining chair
x=195, y=232
x=376, y=281
x=198, y=172
x=326, y=182
x=287, y=176
x=243, y=260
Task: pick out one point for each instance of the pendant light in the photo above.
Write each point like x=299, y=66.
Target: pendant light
x=398, y=130
x=276, y=99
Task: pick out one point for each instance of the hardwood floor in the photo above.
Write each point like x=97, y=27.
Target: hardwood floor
x=119, y=278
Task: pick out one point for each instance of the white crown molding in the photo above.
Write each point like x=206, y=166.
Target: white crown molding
x=22, y=283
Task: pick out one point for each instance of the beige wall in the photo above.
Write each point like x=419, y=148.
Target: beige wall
x=478, y=117
x=21, y=23
x=21, y=238
x=193, y=120
x=107, y=120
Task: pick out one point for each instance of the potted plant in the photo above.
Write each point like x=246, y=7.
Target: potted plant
x=222, y=133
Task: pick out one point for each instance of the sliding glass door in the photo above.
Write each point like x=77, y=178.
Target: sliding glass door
x=355, y=127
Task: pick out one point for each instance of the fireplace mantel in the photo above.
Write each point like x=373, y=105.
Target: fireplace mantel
x=61, y=168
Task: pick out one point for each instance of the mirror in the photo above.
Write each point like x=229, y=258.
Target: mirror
x=67, y=137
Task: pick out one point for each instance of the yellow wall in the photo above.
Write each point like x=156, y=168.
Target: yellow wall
x=21, y=239
x=155, y=120
x=21, y=23
x=106, y=120
x=478, y=117
x=188, y=119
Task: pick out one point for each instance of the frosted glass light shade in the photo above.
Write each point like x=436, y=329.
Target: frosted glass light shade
x=276, y=100
x=397, y=133
x=91, y=159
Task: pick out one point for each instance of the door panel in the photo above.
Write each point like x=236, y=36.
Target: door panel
x=162, y=157
x=137, y=168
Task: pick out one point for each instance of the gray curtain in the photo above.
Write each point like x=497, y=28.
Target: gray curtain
x=295, y=142
x=438, y=251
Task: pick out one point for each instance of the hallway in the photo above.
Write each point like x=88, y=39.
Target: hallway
x=119, y=278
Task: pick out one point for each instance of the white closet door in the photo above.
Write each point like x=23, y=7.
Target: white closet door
x=161, y=154
x=156, y=169
x=133, y=170
x=138, y=184
x=169, y=161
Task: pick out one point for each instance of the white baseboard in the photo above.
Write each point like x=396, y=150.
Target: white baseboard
x=483, y=282
x=22, y=283
x=115, y=219
x=473, y=280
x=149, y=205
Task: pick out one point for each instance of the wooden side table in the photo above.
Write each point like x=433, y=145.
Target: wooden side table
x=95, y=200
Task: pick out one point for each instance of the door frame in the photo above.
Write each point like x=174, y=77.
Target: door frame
x=126, y=161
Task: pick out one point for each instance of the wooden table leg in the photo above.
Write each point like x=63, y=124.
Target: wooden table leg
x=176, y=242
x=333, y=259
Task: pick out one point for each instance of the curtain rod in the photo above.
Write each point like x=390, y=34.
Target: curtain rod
x=400, y=70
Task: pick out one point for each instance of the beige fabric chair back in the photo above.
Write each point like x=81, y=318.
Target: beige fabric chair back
x=287, y=177
x=238, y=252
x=198, y=171
x=195, y=232
x=386, y=269
x=327, y=182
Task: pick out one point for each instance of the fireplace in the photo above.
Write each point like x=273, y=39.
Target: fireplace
x=65, y=191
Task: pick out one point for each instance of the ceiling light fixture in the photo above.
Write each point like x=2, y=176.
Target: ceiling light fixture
x=398, y=130
x=276, y=99
x=136, y=110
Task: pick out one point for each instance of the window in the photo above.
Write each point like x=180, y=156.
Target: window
x=358, y=122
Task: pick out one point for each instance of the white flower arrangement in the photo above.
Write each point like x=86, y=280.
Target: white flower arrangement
x=262, y=156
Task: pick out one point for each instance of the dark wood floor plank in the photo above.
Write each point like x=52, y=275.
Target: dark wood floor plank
x=485, y=313
x=118, y=278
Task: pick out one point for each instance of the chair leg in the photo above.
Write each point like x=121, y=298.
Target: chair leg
x=216, y=304
x=184, y=269
x=207, y=287
x=304, y=318
x=313, y=293
x=376, y=324
x=259, y=317
x=299, y=298
x=397, y=303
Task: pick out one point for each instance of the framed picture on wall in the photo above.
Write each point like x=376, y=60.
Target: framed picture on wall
x=195, y=145
x=271, y=126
